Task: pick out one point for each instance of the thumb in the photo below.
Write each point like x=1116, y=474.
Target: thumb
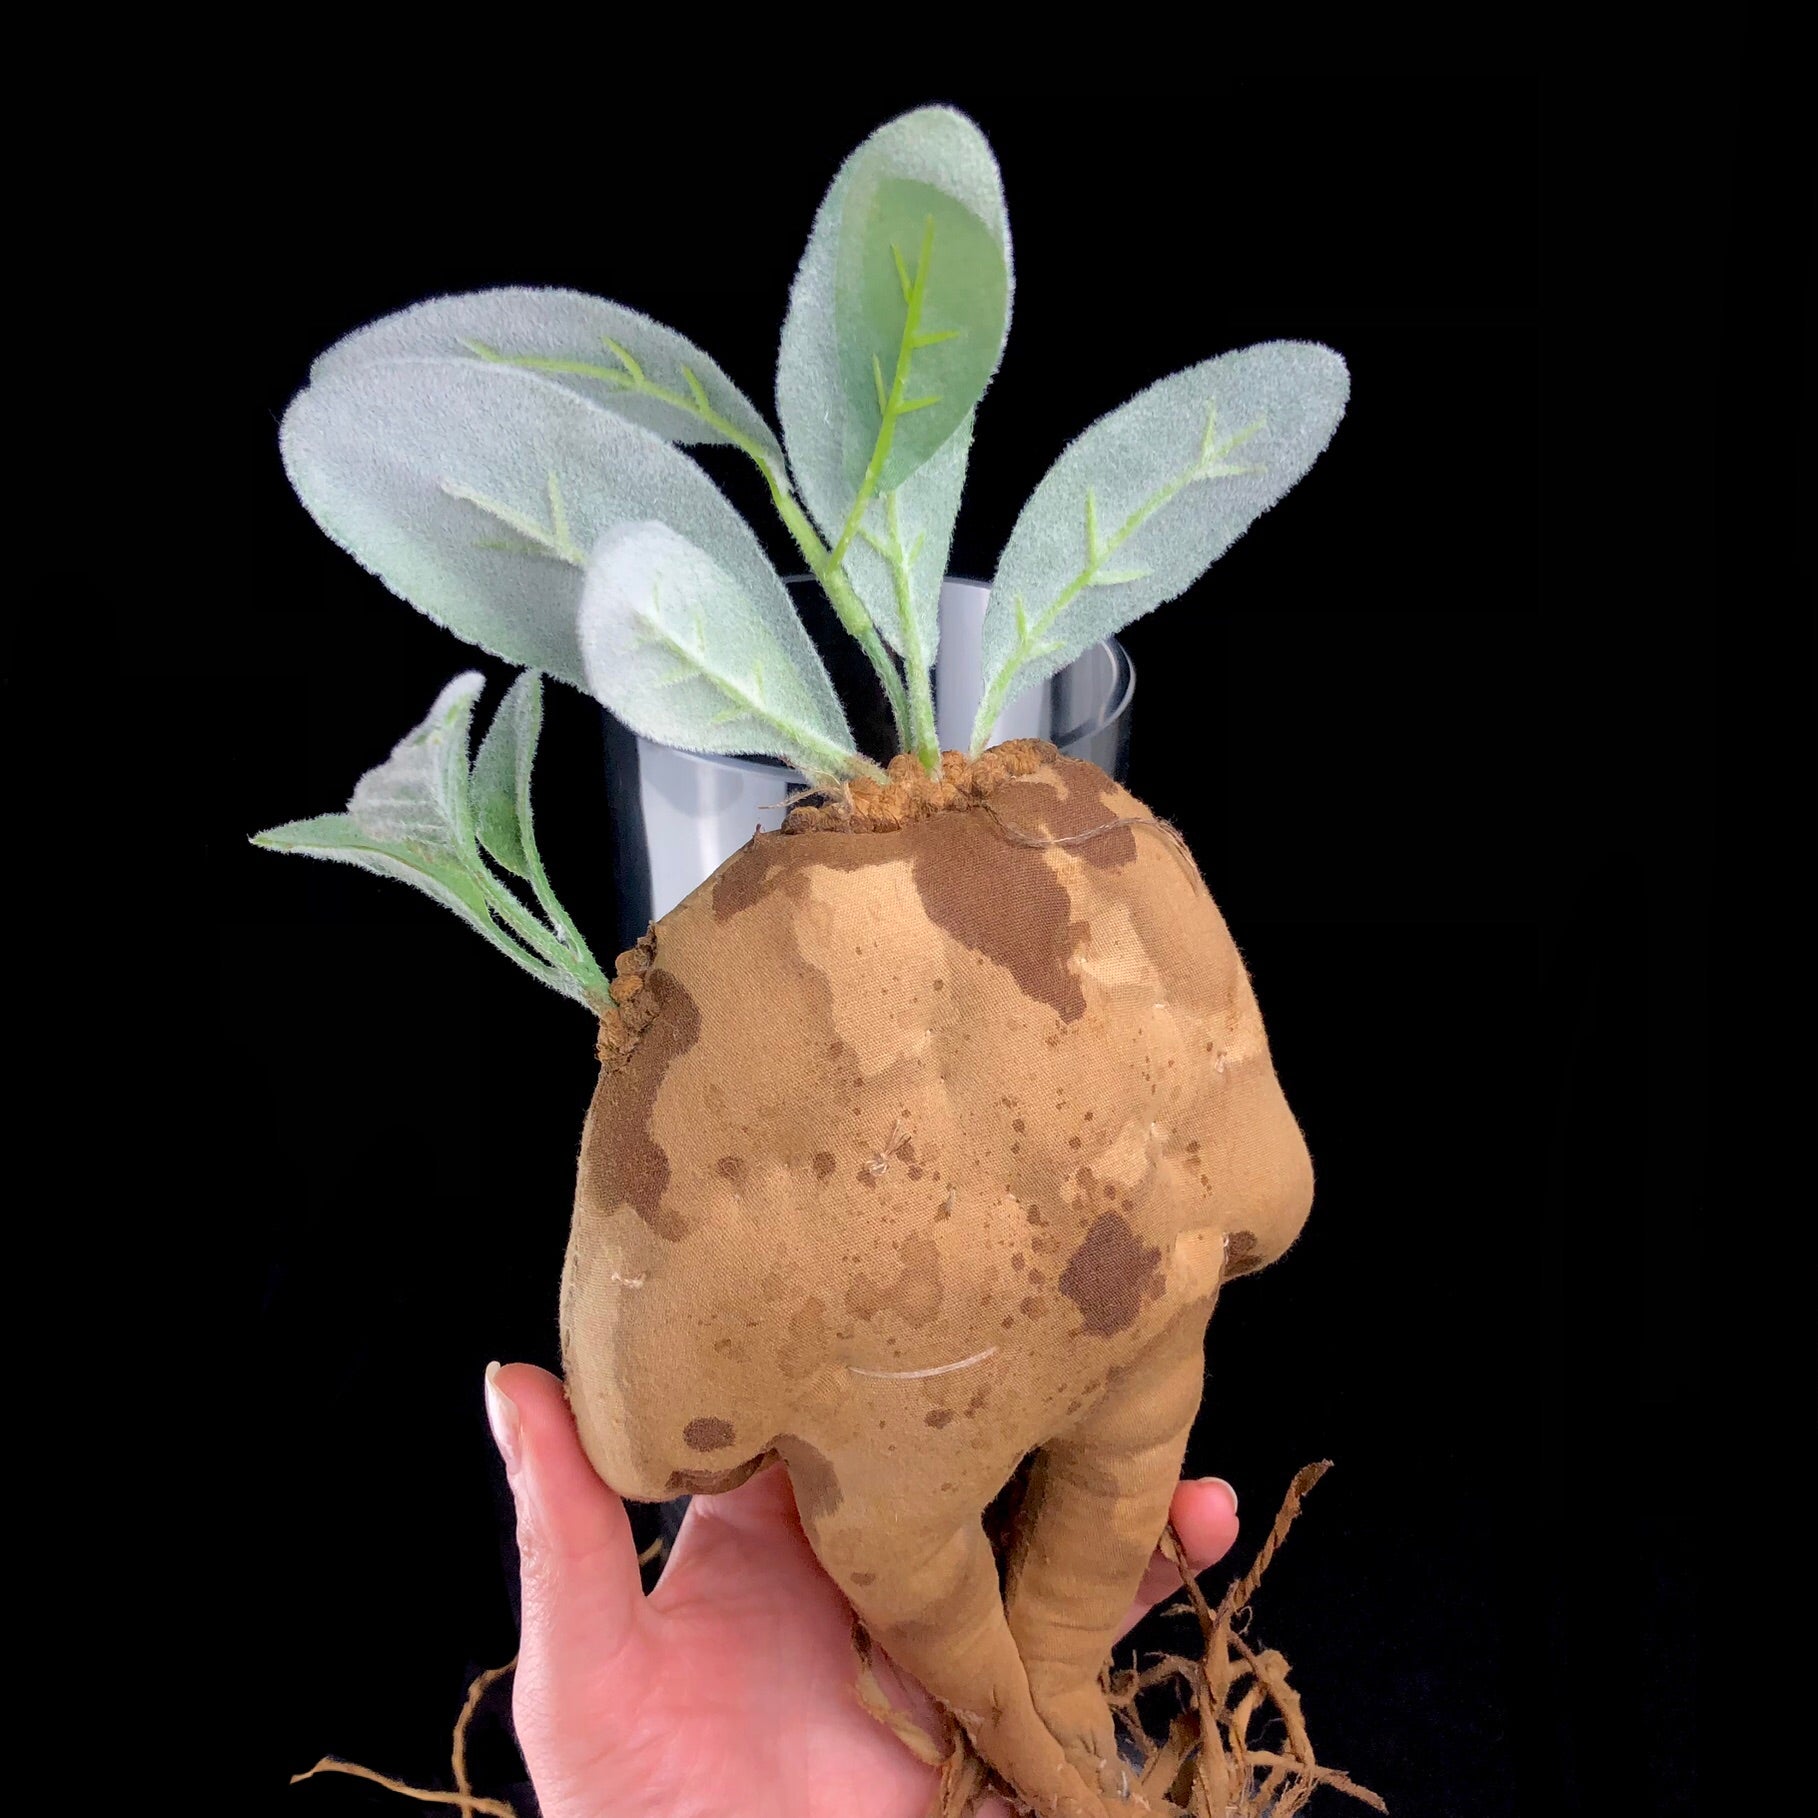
x=582, y=1594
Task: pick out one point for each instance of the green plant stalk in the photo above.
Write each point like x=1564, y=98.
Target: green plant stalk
x=566, y=931
x=542, y=941
x=825, y=568
x=925, y=740
x=1209, y=466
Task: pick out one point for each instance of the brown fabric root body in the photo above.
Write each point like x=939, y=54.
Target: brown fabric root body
x=926, y=1133
x=1211, y=1761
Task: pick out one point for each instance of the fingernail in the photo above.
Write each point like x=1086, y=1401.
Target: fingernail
x=1228, y=1490
x=502, y=1417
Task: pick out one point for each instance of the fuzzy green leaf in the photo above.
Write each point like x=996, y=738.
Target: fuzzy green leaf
x=848, y=295
x=475, y=491
x=340, y=836
x=1137, y=509
x=908, y=249
x=419, y=795
x=501, y=775
x=610, y=355
x=686, y=656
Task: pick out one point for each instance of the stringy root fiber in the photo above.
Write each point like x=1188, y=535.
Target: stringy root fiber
x=1211, y=1765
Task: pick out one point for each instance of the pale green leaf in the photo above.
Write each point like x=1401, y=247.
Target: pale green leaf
x=827, y=391
x=1137, y=509
x=419, y=795
x=607, y=353
x=475, y=491
x=908, y=249
x=686, y=656
x=501, y=775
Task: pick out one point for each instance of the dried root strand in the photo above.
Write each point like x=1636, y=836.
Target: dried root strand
x=876, y=1700
x=471, y=1804
x=1235, y=1686
x=468, y=1802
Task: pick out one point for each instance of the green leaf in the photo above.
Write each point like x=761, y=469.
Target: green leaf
x=475, y=492
x=686, y=656
x=922, y=298
x=419, y=796
x=501, y=776
x=340, y=836
x=608, y=354
x=1137, y=509
x=848, y=295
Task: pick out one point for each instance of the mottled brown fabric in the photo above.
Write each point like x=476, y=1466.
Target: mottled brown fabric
x=931, y=1147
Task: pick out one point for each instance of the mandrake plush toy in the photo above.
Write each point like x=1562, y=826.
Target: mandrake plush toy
x=928, y=1128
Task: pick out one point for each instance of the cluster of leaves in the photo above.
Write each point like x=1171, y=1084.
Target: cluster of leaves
x=510, y=462
x=428, y=816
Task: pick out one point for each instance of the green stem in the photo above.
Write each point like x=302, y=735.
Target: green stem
x=539, y=939
x=924, y=739
x=566, y=931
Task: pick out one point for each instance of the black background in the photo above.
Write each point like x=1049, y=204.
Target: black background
x=1412, y=727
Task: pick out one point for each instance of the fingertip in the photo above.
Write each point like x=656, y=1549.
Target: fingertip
x=1204, y=1514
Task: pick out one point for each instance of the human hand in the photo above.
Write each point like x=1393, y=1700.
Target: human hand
x=730, y=1688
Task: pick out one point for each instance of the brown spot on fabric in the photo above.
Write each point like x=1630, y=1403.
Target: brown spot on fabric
x=999, y=899
x=1036, y=1278
x=817, y=1489
x=708, y=1434
x=732, y=1168
x=1030, y=1306
x=621, y=1162
x=914, y=1296
x=1018, y=1261
x=867, y=1175
x=742, y=878
x=1240, y=1254
x=1019, y=1126
x=937, y=1417
x=823, y=1164
x=1108, y=1274
x=862, y=1579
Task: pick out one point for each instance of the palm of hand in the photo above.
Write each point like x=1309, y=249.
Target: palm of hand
x=730, y=1688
